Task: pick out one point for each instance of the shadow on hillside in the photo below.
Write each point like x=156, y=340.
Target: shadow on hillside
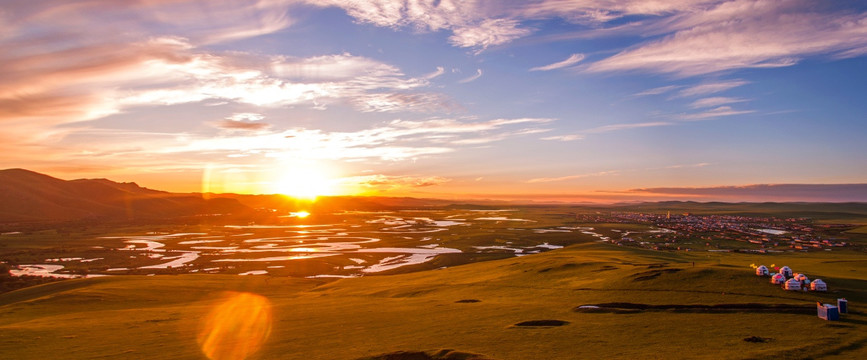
x=626, y=308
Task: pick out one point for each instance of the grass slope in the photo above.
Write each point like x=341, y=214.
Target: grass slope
x=516, y=308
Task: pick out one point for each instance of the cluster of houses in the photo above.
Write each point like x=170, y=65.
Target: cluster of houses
x=765, y=234
x=791, y=281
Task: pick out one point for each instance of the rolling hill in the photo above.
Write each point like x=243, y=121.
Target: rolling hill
x=27, y=196
x=593, y=301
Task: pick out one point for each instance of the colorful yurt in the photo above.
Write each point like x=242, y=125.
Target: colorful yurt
x=777, y=279
x=792, y=284
x=786, y=271
x=762, y=271
x=818, y=285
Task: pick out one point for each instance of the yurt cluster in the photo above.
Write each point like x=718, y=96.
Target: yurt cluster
x=791, y=281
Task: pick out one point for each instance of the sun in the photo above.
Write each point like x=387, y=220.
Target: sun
x=303, y=182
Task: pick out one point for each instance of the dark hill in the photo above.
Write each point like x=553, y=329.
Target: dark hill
x=27, y=196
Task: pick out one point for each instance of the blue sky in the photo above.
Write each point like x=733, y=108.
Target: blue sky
x=546, y=99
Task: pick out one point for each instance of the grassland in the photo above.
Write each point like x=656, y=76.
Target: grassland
x=473, y=309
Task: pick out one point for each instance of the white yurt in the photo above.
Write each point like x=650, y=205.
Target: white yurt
x=786, y=271
x=818, y=285
x=762, y=271
x=792, y=284
x=777, y=279
x=801, y=277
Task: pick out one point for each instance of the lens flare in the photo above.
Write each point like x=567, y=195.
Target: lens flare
x=236, y=328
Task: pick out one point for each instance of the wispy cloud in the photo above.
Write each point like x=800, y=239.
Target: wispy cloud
x=258, y=145
x=742, y=34
x=472, y=78
x=690, y=37
x=572, y=177
x=714, y=113
x=571, y=60
x=711, y=87
x=246, y=117
x=714, y=101
x=241, y=125
x=607, y=128
x=686, y=166
x=571, y=137
x=617, y=127
x=96, y=81
x=481, y=24
x=393, y=102
x=390, y=182
x=657, y=90
x=439, y=71
x=487, y=33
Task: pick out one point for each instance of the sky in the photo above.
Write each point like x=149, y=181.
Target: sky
x=544, y=100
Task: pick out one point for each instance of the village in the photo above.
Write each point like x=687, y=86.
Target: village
x=724, y=233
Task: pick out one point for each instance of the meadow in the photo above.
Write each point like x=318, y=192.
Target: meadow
x=589, y=299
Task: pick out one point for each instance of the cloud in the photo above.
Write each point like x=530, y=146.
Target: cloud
x=682, y=166
x=472, y=78
x=657, y=90
x=245, y=117
x=715, y=112
x=241, y=125
x=392, y=102
x=390, y=182
x=484, y=23
x=330, y=68
x=618, y=127
x=393, y=141
x=572, y=177
x=571, y=137
x=571, y=60
x=95, y=81
x=685, y=38
x=473, y=24
x=711, y=87
x=487, y=33
x=607, y=128
x=439, y=71
x=714, y=101
x=743, y=34
x=110, y=21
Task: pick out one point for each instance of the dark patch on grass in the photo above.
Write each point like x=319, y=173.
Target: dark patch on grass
x=545, y=323
x=605, y=268
x=444, y=354
x=161, y=320
x=757, y=339
x=836, y=325
x=697, y=308
x=653, y=274
x=657, y=266
x=467, y=301
x=856, y=345
x=561, y=267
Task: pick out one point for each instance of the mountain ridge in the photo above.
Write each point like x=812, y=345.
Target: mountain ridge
x=28, y=196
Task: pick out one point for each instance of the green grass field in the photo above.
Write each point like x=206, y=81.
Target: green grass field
x=472, y=309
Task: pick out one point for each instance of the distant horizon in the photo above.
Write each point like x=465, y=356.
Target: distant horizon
x=754, y=193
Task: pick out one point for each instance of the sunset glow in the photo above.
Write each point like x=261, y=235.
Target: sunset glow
x=307, y=182
x=561, y=100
